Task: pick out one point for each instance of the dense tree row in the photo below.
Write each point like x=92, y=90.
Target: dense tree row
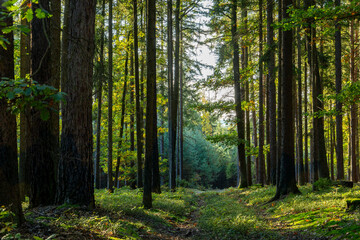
x=283, y=120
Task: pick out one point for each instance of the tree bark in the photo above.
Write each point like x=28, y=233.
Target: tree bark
x=110, y=184
x=99, y=90
x=139, y=123
x=42, y=150
x=301, y=176
x=9, y=182
x=122, y=121
x=170, y=94
x=262, y=172
x=272, y=91
x=24, y=70
x=354, y=109
x=76, y=165
x=306, y=133
x=239, y=112
x=151, y=145
x=339, y=118
x=287, y=182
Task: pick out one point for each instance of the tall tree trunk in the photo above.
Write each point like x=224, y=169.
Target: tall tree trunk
x=122, y=120
x=287, y=182
x=9, y=182
x=132, y=120
x=139, y=123
x=24, y=70
x=76, y=165
x=244, y=60
x=262, y=172
x=278, y=150
x=99, y=90
x=55, y=32
x=181, y=117
x=272, y=91
x=239, y=112
x=170, y=93
x=151, y=145
x=354, y=110
x=301, y=177
x=110, y=103
x=42, y=152
x=332, y=145
x=320, y=162
x=253, y=116
x=339, y=130
x=306, y=133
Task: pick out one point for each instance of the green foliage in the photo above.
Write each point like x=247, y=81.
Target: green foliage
x=23, y=93
x=322, y=184
x=6, y=220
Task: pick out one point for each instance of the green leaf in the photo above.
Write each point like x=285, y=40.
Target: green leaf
x=40, y=13
x=29, y=15
x=10, y=95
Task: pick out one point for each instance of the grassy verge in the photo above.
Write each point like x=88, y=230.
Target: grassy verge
x=317, y=214
x=192, y=214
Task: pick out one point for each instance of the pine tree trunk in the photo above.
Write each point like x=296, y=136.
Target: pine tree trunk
x=354, y=109
x=278, y=150
x=24, y=70
x=301, y=177
x=76, y=164
x=122, y=120
x=272, y=92
x=132, y=120
x=9, y=183
x=151, y=145
x=239, y=112
x=287, y=182
x=339, y=119
x=42, y=152
x=261, y=173
x=306, y=133
x=110, y=184
x=99, y=90
x=170, y=94
x=139, y=123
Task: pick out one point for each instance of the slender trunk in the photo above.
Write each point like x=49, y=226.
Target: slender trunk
x=301, y=176
x=55, y=32
x=262, y=173
x=181, y=117
x=175, y=98
x=151, y=152
x=110, y=99
x=278, y=150
x=139, y=124
x=170, y=92
x=98, y=122
x=306, y=133
x=24, y=137
x=272, y=92
x=132, y=120
x=122, y=120
x=339, y=119
x=354, y=110
x=239, y=112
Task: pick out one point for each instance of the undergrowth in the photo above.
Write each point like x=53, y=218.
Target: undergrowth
x=193, y=214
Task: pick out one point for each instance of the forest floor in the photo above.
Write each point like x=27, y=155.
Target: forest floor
x=194, y=214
